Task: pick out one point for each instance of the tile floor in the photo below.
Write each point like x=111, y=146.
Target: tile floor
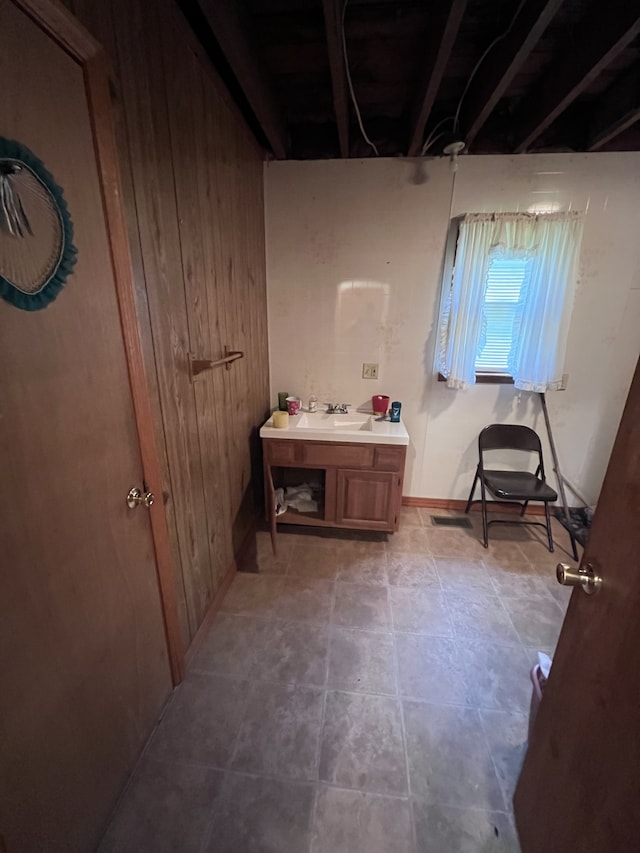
x=355, y=695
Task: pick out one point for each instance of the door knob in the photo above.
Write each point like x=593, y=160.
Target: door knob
x=586, y=577
x=136, y=497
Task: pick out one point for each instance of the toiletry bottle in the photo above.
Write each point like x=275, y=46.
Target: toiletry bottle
x=313, y=404
x=282, y=400
x=395, y=412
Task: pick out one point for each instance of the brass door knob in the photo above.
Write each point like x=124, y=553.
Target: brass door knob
x=137, y=497
x=586, y=577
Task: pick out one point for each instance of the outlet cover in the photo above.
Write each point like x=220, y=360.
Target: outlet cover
x=369, y=371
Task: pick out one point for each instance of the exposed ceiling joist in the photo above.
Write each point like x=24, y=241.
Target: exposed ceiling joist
x=333, y=26
x=503, y=63
x=252, y=78
x=444, y=29
x=597, y=42
x=618, y=110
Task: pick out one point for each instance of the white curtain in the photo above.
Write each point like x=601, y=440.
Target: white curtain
x=551, y=242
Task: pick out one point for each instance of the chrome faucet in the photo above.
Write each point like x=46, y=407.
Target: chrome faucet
x=337, y=408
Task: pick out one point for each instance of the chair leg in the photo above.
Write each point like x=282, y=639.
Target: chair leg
x=549, y=534
x=473, y=488
x=524, y=508
x=485, y=526
x=573, y=546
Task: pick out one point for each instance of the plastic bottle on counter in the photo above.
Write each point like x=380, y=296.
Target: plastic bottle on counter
x=313, y=404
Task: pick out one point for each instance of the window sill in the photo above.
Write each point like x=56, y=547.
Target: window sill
x=487, y=379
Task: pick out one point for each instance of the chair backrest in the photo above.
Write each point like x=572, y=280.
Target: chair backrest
x=510, y=437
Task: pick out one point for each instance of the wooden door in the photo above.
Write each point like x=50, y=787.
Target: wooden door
x=366, y=499
x=84, y=666
x=580, y=785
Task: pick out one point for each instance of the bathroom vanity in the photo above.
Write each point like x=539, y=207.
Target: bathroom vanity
x=353, y=463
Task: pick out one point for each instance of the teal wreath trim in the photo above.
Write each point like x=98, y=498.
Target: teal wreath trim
x=50, y=289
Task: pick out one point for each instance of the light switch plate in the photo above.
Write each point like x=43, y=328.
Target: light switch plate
x=369, y=370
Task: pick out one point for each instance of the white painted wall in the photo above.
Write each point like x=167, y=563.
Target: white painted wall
x=354, y=261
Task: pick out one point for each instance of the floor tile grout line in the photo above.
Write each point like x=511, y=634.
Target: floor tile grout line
x=322, y=721
x=403, y=730
x=351, y=692
x=206, y=835
x=294, y=780
x=524, y=644
x=484, y=637
x=323, y=783
x=339, y=787
x=343, y=689
x=525, y=717
x=243, y=717
x=546, y=595
x=144, y=755
x=546, y=600
x=511, y=622
x=288, y=562
x=492, y=759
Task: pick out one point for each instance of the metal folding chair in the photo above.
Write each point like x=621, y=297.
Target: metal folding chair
x=510, y=486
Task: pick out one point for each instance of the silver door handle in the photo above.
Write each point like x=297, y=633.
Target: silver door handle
x=586, y=577
x=136, y=497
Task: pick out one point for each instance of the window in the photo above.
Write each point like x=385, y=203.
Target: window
x=506, y=302
x=507, y=279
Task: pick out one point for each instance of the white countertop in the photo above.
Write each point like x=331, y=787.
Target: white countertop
x=354, y=427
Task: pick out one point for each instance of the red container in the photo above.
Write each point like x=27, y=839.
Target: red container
x=380, y=403
x=293, y=405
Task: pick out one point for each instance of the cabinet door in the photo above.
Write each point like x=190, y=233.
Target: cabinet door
x=367, y=499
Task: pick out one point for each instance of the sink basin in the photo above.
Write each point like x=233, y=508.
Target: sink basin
x=334, y=423
x=355, y=427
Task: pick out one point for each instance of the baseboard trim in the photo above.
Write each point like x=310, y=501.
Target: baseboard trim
x=214, y=607
x=434, y=503
x=451, y=504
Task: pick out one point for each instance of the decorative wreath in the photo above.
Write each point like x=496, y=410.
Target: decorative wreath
x=36, y=233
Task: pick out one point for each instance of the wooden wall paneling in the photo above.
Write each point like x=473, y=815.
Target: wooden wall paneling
x=191, y=152
x=220, y=305
x=144, y=98
x=256, y=283
x=253, y=293
x=214, y=213
x=256, y=296
x=262, y=371
x=227, y=262
x=217, y=319
x=222, y=320
x=225, y=96
x=226, y=131
x=243, y=509
x=97, y=18
x=260, y=294
x=236, y=380
x=216, y=219
x=196, y=225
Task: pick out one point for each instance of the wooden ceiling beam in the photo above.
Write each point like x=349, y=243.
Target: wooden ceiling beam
x=252, y=78
x=503, y=63
x=333, y=27
x=617, y=110
x=605, y=33
x=444, y=29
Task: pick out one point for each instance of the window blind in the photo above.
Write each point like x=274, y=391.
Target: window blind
x=506, y=279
